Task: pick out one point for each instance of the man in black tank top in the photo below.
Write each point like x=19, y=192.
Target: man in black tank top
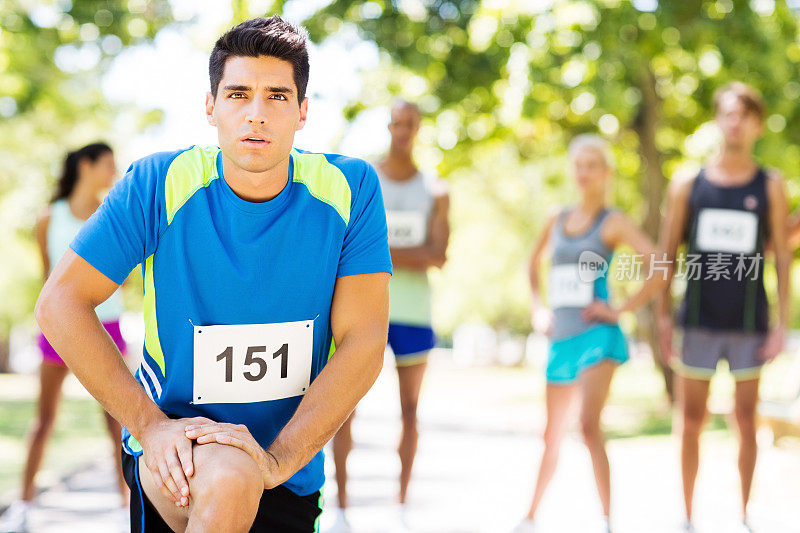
x=727, y=215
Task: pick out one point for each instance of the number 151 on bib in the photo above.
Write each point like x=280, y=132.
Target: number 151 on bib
x=252, y=362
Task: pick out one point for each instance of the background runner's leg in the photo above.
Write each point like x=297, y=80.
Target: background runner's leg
x=342, y=444
x=595, y=384
x=410, y=379
x=51, y=379
x=693, y=397
x=559, y=400
x=746, y=400
x=115, y=432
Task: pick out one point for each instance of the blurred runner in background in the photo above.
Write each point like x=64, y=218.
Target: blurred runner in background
x=87, y=175
x=728, y=214
x=417, y=208
x=586, y=343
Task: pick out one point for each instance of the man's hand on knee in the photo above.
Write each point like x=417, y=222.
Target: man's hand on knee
x=168, y=456
x=238, y=436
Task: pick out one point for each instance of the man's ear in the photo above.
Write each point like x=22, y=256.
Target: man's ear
x=303, y=114
x=210, y=109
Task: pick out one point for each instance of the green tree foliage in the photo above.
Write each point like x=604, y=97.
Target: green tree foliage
x=507, y=84
x=52, y=57
x=536, y=75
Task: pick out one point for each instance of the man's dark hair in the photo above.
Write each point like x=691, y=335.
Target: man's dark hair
x=271, y=36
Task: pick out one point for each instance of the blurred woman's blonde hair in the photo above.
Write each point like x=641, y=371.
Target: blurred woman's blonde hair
x=593, y=142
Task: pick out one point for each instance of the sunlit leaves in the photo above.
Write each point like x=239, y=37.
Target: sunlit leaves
x=508, y=83
x=52, y=54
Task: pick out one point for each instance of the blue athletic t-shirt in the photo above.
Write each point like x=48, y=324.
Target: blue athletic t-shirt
x=209, y=258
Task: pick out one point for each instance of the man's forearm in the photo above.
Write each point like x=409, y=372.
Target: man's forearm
x=653, y=286
x=663, y=303
x=328, y=402
x=80, y=339
x=419, y=258
x=783, y=265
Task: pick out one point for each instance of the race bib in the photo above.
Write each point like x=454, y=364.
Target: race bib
x=252, y=362
x=406, y=228
x=727, y=230
x=566, y=289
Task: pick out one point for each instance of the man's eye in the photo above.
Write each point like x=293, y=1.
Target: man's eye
x=237, y=96
x=278, y=96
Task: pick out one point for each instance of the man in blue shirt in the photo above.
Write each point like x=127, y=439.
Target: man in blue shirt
x=257, y=258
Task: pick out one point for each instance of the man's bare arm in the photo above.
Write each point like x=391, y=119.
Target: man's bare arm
x=778, y=221
x=673, y=227
x=779, y=244
x=359, y=321
x=794, y=231
x=65, y=312
x=433, y=253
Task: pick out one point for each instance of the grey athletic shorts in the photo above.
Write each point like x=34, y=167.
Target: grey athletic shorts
x=703, y=348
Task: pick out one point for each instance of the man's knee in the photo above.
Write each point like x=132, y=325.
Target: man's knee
x=693, y=419
x=226, y=488
x=746, y=420
x=409, y=416
x=222, y=471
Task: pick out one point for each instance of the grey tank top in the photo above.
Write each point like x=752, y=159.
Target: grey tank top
x=409, y=207
x=409, y=197
x=568, y=290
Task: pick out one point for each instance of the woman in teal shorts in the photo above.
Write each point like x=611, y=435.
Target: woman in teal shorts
x=586, y=343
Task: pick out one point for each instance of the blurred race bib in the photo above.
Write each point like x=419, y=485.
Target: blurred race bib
x=566, y=288
x=406, y=228
x=252, y=362
x=726, y=230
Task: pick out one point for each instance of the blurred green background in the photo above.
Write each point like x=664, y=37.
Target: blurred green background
x=504, y=85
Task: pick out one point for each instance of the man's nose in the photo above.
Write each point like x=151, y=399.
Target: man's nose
x=257, y=112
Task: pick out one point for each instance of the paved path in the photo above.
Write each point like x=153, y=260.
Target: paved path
x=477, y=454
x=85, y=501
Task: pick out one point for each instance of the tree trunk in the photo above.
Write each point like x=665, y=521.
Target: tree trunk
x=5, y=358
x=653, y=186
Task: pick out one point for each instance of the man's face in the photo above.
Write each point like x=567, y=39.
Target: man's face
x=256, y=111
x=404, y=126
x=740, y=127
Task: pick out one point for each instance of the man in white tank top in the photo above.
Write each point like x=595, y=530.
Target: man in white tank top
x=416, y=214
